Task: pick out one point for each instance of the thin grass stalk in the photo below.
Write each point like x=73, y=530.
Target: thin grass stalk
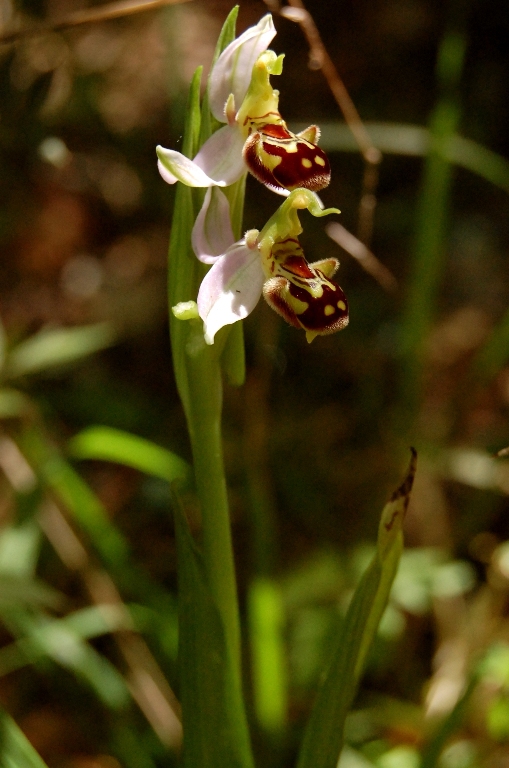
x=433, y=212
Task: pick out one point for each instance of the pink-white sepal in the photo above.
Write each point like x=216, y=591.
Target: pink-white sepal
x=218, y=163
x=232, y=71
x=212, y=233
x=232, y=287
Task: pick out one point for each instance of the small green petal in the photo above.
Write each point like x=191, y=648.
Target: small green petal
x=186, y=310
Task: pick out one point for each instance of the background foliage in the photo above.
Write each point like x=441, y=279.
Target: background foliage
x=316, y=439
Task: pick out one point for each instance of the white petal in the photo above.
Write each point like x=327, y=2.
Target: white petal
x=232, y=71
x=212, y=232
x=174, y=166
x=231, y=289
x=221, y=158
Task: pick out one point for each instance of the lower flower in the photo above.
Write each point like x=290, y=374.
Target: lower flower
x=270, y=262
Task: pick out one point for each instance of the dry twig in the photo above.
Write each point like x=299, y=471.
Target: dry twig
x=320, y=59
x=89, y=16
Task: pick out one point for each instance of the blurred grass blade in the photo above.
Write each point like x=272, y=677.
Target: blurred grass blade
x=480, y=160
x=19, y=549
x=18, y=591
x=448, y=727
x=494, y=353
x=59, y=641
x=108, y=444
x=323, y=738
x=414, y=141
x=2, y=344
x=69, y=488
x=13, y=404
x=433, y=213
x=15, y=749
x=56, y=347
x=266, y=621
x=215, y=729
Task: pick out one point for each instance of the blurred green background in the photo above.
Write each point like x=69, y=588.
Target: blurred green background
x=318, y=437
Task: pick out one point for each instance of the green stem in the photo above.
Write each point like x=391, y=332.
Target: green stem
x=204, y=419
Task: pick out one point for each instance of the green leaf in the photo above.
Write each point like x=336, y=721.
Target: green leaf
x=57, y=347
x=183, y=266
x=108, y=444
x=215, y=729
x=227, y=34
x=15, y=749
x=323, y=738
x=209, y=124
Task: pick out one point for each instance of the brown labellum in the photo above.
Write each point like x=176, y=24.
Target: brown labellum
x=307, y=298
x=285, y=160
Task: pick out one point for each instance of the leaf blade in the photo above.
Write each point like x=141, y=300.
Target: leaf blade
x=323, y=737
x=116, y=445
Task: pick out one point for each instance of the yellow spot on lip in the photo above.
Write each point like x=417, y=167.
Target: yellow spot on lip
x=319, y=160
x=306, y=163
x=341, y=305
x=329, y=309
x=296, y=304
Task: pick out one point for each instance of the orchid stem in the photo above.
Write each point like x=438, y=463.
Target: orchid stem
x=204, y=418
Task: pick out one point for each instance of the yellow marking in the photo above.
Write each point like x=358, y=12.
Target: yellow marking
x=329, y=310
x=341, y=305
x=306, y=163
x=319, y=160
x=297, y=305
x=310, y=335
x=269, y=161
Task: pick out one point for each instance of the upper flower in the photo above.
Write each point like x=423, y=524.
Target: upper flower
x=270, y=262
x=256, y=135
x=219, y=161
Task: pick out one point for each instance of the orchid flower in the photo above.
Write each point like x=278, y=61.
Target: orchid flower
x=255, y=137
x=270, y=262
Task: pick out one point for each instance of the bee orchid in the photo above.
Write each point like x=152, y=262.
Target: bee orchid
x=255, y=137
x=270, y=262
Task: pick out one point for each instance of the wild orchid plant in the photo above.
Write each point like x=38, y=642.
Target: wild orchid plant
x=238, y=129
